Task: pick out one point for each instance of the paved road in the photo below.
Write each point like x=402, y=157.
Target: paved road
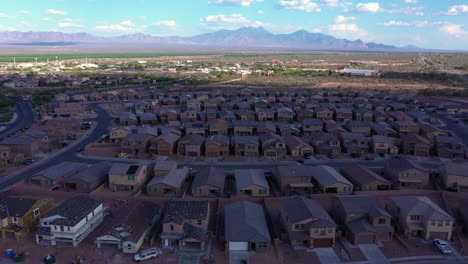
x=25, y=116
x=327, y=256
x=373, y=254
x=103, y=121
x=458, y=129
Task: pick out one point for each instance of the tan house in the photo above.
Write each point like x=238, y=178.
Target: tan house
x=118, y=133
x=52, y=177
x=455, y=176
x=165, y=145
x=89, y=179
x=364, y=179
x=328, y=180
x=209, y=182
x=128, y=177
x=162, y=167
x=217, y=146
x=294, y=178
x=406, y=174
x=191, y=145
x=171, y=184
x=307, y=223
x=251, y=182
x=297, y=147
x=247, y=146
x=20, y=215
x=364, y=219
x=185, y=225
x=419, y=217
x=383, y=145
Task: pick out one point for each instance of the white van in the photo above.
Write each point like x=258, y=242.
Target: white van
x=147, y=254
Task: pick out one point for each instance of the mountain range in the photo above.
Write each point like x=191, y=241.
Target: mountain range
x=246, y=37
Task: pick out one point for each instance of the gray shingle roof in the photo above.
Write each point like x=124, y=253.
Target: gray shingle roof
x=73, y=210
x=420, y=205
x=174, y=178
x=358, y=204
x=246, y=177
x=210, y=176
x=300, y=208
x=245, y=221
x=326, y=175
x=94, y=173
x=61, y=169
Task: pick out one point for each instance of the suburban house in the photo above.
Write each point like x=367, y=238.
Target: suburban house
x=406, y=174
x=171, y=184
x=209, y=182
x=295, y=178
x=273, y=145
x=245, y=227
x=297, y=147
x=191, y=145
x=405, y=127
x=217, y=146
x=136, y=143
x=413, y=144
x=129, y=226
x=420, y=217
x=455, y=176
x=364, y=179
x=449, y=147
x=28, y=147
x=162, y=167
x=88, y=179
x=251, y=182
x=128, y=177
x=247, y=146
x=19, y=215
x=311, y=125
x=328, y=180
x=364, y=219
x=118, y=133
x=383, y=145
x=307, y=223
x=165, y=144
x=185, y=225
x=7, y=158
x=71, y=222
x=51, y=177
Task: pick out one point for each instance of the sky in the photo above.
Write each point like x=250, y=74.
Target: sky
x=440, y=24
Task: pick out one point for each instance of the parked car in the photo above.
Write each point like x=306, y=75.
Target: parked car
x=121, y=155
x=442, y=245
x=147, y=254
x=332, y=156
x=79, y=150
x=71, y=138
x=29, y=161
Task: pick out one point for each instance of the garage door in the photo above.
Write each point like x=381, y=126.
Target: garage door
x=439, y=235
x=365, y=239
x=324, y=242
x=239, y=246
x=192, y=154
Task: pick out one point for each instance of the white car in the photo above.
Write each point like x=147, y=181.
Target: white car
x=442, y=245
x=147, y=254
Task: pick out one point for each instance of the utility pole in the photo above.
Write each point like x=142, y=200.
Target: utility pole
x=14, y=62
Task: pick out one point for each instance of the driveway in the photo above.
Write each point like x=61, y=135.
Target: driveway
x=187, y=258
x=327, y=256
x=373, y=254
x=236, y=257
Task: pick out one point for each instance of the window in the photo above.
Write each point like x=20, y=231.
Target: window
x=68, y=229
x=447, y=222
x=199, y=222
x=440, y=223
x=323, y=230
x=315, y=230
x=131, y=177
x=305, y=179
x=49, y=182
x=36, y=212
x=198, y=191
x=15, y=220
x=352, y=215
x=171, y=227
x=62, y=229
x=382, y=221
x=299, y=226
x=414, y=217
x=433, y=222
x=404, y=174
x=367, y=187
x=330, y=229
x=152, y=189
x=85, y=185
x=347, y=189
x=262, y=244
x=262, y=191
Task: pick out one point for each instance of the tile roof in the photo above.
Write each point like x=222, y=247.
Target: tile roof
x=174, y=178
x=420, y=205
x=179, y=210
x=62, y=169
x=245, y=221
x=210, y=176
x=16, y=206
x=358, y=204
x=326, y=175
x=362, y=174
x=97, y=172
x=73, y=210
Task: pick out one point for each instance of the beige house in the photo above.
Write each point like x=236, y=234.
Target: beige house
x=455, y=176
x=307, y=223
x=128, y=177
x=419, y=217
x=251, y=182
x=118, y=133
x=162, y=167
x=329, y=180
x=171, y=184
x=364, y=178
x=406, y=174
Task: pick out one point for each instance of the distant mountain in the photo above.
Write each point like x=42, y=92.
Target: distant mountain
x=246, y=37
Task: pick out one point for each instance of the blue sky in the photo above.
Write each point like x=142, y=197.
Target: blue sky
x=441, y=24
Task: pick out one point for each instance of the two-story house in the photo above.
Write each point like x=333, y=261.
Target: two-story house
x=128, y=177
x=406, y=174
x=294, y=178
x=307, y=223
x=71, y=222
x=185, y=225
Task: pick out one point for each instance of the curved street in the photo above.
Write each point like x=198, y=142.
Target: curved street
x=25, y=116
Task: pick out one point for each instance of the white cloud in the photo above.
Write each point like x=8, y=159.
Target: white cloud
x=457, y=9
x=225, y=21
x=260, y=12
x=71, y=20
x=24, y=12
x=335, y=3
x=348, y=31
x=127, y=23
x=167, y=23
x=454, y=30
x=411, y=1
x=343, y=19
x=409, y=11
x=299, y=5
x=244, y=3
x=55, y=12
x=372, y=7
x=395, y=24
x=69, y=25
x=114, y=27
x=3, y=15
